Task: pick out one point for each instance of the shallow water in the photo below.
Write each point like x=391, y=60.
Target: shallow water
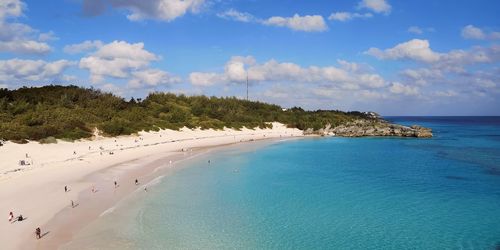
x=323, y=193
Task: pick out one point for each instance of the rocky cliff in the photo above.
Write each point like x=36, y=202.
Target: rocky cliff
x=374, y=127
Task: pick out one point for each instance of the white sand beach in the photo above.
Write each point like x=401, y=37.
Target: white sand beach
x=36, y=189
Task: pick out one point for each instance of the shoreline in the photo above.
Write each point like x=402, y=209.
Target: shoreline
x=37, y=192
x=67, y=223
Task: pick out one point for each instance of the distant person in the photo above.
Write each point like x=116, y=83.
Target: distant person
x=74, y=152
x=11, y=216
x=38, y=233
x=145, y=189
x=136, y=182
x=72, y=204
x=208, y=161
x=116, y=184
x=20, y=218
x=93, y=189
x=65, y=189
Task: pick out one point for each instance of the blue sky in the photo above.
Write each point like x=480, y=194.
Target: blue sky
x=393, y=57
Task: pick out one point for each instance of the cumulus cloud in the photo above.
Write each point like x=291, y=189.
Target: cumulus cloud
x=121, y=60
x=18, y=37
x=83, y=47
x=151, y=78
x=415, y=30
x=47, y=36
x=19, y=70
x=307, y=23
x=11, y=8
x=419, y=31
x=399, y=88
x=378, y=6
x=236, y=70
x=474, y=33
x=423, y=76
x=347, y=16
x=116, y=59
x=446, y=93
x=415, y=49
x=164, y=10
x=454, y=60
x=235, y=15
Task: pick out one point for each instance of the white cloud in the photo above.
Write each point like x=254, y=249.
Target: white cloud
x=11, y=8
x=122, y=60
x=307, y=23
x=164, y=10
x=205, y=79
x=398, y=88
x=151, y=78
x=24, y=47
x=415, y=30
x=17, y=37
x=83, y=47
x=419, y=31
x=378, y=6
x=419, y=50
x=117, y=59
x=447, y=93
x=346, y=16
x=16, y=70
x=423, y=76
x=47, y=36
x=472, y=32
x=235, y=15
x=475, y=33
x=415, y=49
x=348, y=76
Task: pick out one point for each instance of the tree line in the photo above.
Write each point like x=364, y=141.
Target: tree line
x=72, y=112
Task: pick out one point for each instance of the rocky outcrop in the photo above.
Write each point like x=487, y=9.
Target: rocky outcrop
x=374, y=127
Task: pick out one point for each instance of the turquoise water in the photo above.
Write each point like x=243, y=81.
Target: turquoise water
x=325, y=193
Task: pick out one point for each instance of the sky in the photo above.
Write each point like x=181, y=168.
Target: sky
x=414, y=57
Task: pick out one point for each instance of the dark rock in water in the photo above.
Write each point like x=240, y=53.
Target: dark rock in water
x=373, y=127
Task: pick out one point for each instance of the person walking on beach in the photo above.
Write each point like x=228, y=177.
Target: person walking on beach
x=72, y=204
x=65, y=189
x=136, y=182
x=116, y=184
x=11, y=216
x=38, y=233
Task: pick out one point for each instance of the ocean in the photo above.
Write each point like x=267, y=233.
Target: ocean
x=323, y=193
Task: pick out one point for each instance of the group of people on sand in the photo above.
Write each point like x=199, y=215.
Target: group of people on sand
x=13, y=219
x=38, y=231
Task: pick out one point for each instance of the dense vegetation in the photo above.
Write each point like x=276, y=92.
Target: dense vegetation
x=71, y=112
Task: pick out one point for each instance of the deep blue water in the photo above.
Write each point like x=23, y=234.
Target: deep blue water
x=325, y=193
